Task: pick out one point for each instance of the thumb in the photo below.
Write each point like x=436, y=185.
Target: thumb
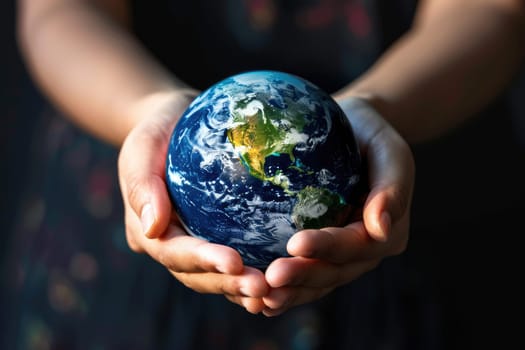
x=391, y=177
x=389, y=165
x=141, y=175
x=384, y=207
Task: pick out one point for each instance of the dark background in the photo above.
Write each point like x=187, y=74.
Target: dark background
x=20, y=102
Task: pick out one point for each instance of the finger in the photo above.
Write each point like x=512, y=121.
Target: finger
x=390, y=167
x=178, y=251
x=391, y=178
x=337, y=245
x=142, y=179
x=282, y=299
x=131, y=225
x=183, y=253
x=250, y=283
x=252, y=305
x=313, y=273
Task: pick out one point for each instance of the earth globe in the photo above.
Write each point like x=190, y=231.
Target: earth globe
x=259, y=156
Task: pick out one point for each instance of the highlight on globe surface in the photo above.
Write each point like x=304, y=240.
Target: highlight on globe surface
x=259, y=156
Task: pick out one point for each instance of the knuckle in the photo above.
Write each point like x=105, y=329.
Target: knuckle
x=225, y=286
x=134, y=192
x=130, y=234
x=133, y=245
x=222, y=288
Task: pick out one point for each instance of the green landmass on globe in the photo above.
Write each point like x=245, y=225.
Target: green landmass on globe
x=260, y=131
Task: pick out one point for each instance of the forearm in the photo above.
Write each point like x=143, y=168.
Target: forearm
x=458, y=56
x=90, y=66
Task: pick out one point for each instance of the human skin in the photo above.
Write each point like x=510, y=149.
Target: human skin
x=448, y=66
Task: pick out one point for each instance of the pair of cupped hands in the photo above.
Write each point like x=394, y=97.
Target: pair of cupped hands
x=321, y=260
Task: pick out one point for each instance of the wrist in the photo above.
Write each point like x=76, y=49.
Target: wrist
x=389, y=108
x=351, y=96
x=165, y=104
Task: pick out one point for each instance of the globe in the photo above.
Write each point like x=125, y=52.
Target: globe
x=259, y=156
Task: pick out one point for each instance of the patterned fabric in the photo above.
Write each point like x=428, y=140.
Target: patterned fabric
x=74, y=283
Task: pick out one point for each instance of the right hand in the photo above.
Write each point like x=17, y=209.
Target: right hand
x=153, y=228
x=324, y=259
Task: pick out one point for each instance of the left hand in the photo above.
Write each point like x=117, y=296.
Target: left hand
x=327, y=258
x=154, y=229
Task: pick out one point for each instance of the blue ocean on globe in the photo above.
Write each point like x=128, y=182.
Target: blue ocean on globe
x=259, y=156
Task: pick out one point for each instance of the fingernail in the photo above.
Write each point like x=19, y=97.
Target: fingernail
x=384, y=226
x=147, y=217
